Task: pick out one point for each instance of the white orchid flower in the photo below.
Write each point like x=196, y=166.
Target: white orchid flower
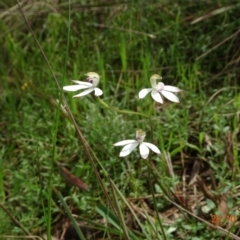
x=91, y=85
x=130, y=145
x=159, y=89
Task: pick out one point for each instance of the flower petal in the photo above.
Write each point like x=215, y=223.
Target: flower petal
x=172, y=89
x=82, y=83
x=152, y=147
x=156, y=96
x=124, y=142
x=144, y=150
x=128, y=149
x=73, y=88
x=93, y=77
x=144, y=92
x=153, y=79
x=85, y=92
x=98, y=91
x=95, y=81
x=170, y=96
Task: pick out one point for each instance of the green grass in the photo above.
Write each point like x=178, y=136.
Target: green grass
x=126, y=44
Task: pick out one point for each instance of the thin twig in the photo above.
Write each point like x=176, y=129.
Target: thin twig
x=225, y=232
x=21, y=237
x=15, y=220
x=88, y=151
x=213, y=13
x=123, y=29
x=218, y=45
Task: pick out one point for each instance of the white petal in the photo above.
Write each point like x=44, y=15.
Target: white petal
x=128, y=149
x=144, y=92
x=152, y=147
x=144, y=150
x=156, y=96
x=172, y=89
x=82, y=83
x=73, y=88
x=170, y=96
x=94, y=77
x=85, y=92
x=98, y=91
x=124, y=142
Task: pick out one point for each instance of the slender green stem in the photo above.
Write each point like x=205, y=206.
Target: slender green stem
x=54, y=139
x=154, y=200
x=151, y=129
x=149, y=179
x=149, y=169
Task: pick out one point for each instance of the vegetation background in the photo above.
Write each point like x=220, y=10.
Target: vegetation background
x=194, y=45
